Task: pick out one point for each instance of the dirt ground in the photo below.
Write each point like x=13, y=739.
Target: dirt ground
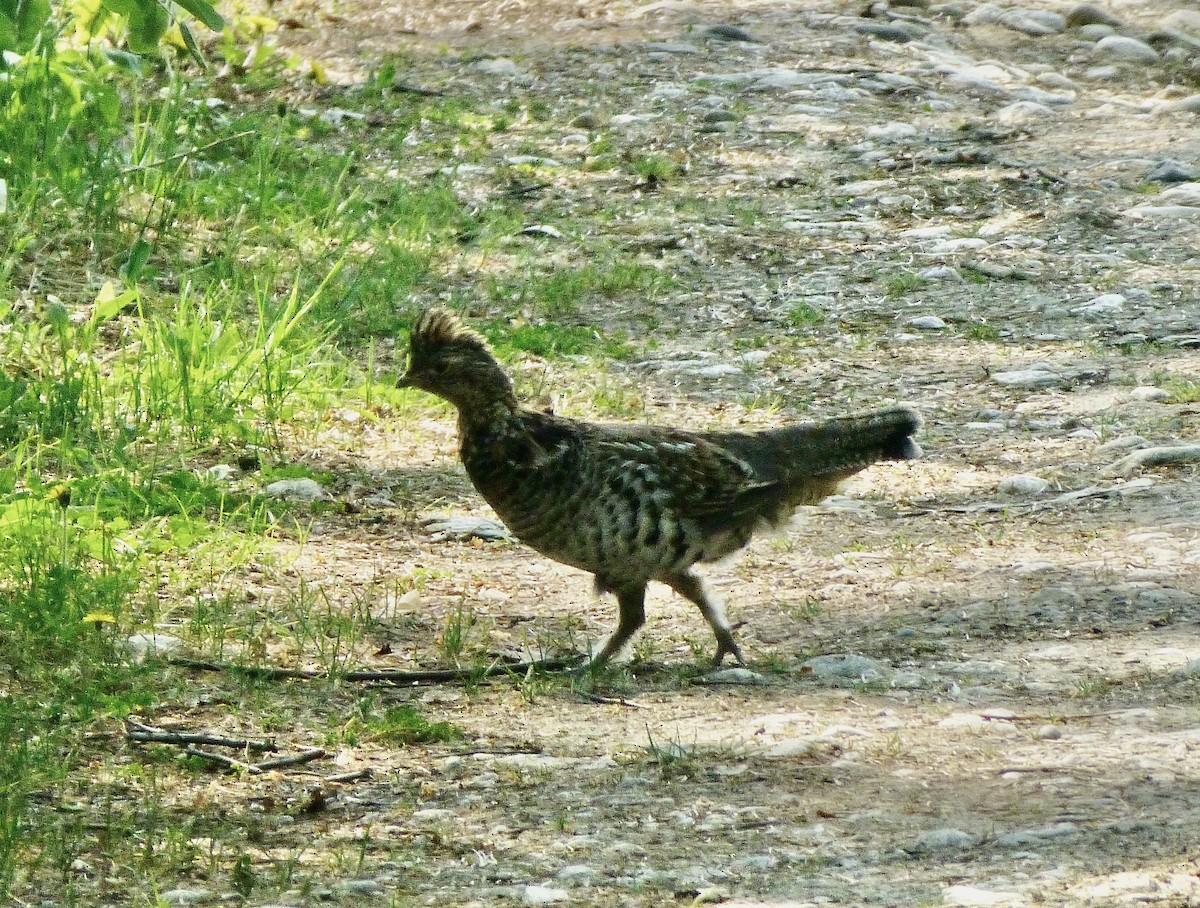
x=962, y=694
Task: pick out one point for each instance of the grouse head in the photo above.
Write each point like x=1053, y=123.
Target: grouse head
x=450, y=360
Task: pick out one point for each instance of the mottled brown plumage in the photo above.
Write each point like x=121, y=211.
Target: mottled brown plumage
x=631, y=504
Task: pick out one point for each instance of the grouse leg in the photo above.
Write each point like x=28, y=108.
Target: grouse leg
x=691, y=587
x=632, y=604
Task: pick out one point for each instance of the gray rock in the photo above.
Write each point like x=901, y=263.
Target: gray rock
x=1186, y=20
x=1096, y=31
x=975, y=84
x=984, y=14
x=544, y=895
x=1038, y=835
x=222, y=472
x=794, y=747
x=1022, y=484
x=1056, y=81
x=497, y=66
x=719, y=370
x=186, y=896
x=927, y=323
x=1148, y=392
x=668, y=47
x=1021, y=112
x=1048, y=733
x=780, y=79
x=961, y=896
x=358, y=887
x=728, y=33
x=578, y=875
x=886, y=31
x=943, y=840
x=757, y=863
x=1055, y=602
x=734, y=675
x=892, y=132
x=1029, y=378
x=465, y=528
x=941, y=273
x=1166, y=598
x=1035, y=23
x=1056, y=22
x=1091, y=14
x=845, y=665
x=1155, y=212
x=1182, y=194
x=1131, y=50
x=1190, y=671
x=1102, y=306
x=141, y=647
x=303, y=489
x=1171, y=171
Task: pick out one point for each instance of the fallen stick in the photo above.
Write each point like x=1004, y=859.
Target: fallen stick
x=1154, y=457
x=148, y=734
x=315, y=753
x=256, y=768
x=273, y=673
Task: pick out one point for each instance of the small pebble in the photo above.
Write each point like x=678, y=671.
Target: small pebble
x=1102, y=306
x=544, y=895
x=734, y=675
x=498, y=66
x=886, y=31
x=1023, y=484
x=1048, y=733
x=943, y=840
x=941, y=273
x=976, y=897
x=927, y=323
x=1021, y=112
x=185, y=896
x=1028, y=378
x=303, y=489
x=1148, y=392
x=845, y=665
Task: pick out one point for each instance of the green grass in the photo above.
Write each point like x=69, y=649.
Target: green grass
x=901, y=283
x=564, y=292
x=1183, y=391
x=404, y=725
x=803, y=315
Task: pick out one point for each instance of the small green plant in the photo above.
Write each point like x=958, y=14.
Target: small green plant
x=804, y=315
x=673, y=758
x=403, y=725
x=655, y=170
x=983, y=332
x=901, y=283
x=456, y=633
x=1183, y=391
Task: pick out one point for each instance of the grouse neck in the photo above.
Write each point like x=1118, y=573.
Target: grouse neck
x=487, y=415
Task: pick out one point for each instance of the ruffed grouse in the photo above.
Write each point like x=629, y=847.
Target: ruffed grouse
x=633, y=504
